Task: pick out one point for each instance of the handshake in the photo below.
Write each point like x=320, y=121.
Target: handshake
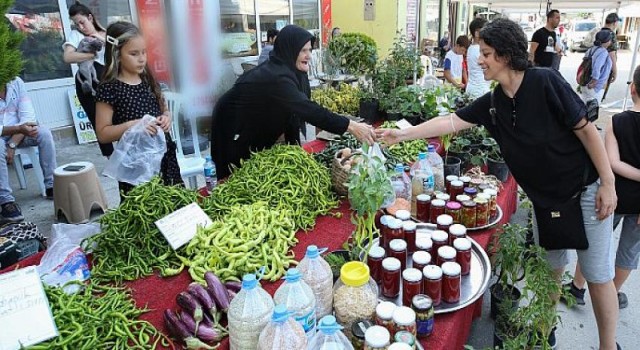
x=367, y=134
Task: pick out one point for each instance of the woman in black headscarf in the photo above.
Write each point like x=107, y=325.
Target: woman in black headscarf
x=272, y=100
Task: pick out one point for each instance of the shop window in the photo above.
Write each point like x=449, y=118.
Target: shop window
x=238, y=21
x=305, y=14
x=273, y=14
x=41, y=24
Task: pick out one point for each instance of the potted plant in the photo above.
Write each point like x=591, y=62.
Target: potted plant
x=356, y=53
x=369, y=104
x=460, y=149
x=451, y=163
x=493, y=158
x=369, y=188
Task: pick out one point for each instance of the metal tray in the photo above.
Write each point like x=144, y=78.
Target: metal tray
x=472, y=286
x=492, y=222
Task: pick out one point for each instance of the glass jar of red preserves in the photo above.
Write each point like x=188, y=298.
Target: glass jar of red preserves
x=398, y=250
x=384, y=224
x=466, y=180
x=457, y=188
x=374, y=261
x=423, y=205
x=424, y=244
x=411, y=285
x=451, y=280
x=448, y=180
x=446, y=254
x=390, y=277
x=437, y=209
x=432, y=283
x=456, y=231
x=394, y=230
x=444, y=221
x=463, y=254
x=421, y=259
x=409, y=228
x=439, y=239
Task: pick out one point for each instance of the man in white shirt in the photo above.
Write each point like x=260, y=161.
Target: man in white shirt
x=19, y=129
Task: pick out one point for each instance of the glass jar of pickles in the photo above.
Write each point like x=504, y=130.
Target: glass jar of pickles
x=482, y=212
x=469, y=214
x=405, y=338
x=461, y=198
x=471, y=192
x=454, y=209
x=475, y=183
x=404, y=319
x=376, y=338
x=358, y=330
x=384, y=315
x=493, y=202
x=423, y=306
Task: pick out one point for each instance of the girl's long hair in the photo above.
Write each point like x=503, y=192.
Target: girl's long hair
x=80, y=9
x=118, y=35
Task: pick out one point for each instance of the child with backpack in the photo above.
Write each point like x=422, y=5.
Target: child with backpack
x=594, y=71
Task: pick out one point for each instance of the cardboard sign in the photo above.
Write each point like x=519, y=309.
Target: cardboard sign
x=84, y=128
x=25, y=315
x=180, y=226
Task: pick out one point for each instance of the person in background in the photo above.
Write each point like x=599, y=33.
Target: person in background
x=335, y=32
x=476, y=86
x=443, y=46
x=453, y=62
x=128, y=92
x=540, y=124
x=600, y=67
x=272, y=34
x=543, y=42
x=18, y=128
x=87, y=25
x=273, y=101
x=611, y=24
x=621, y=142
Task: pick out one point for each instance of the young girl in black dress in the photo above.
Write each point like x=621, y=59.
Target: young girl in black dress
x=127, y=92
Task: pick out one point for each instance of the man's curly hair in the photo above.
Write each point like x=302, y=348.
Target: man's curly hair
x=509, y=41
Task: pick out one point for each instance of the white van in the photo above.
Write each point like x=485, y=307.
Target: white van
x=577, y=33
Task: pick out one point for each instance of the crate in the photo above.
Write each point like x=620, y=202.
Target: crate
x=8, y=253
x=28, y=248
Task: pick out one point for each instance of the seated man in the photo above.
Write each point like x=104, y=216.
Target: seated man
x=19, y=129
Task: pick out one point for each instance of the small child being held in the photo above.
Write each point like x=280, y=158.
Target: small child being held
x=453, y=62
x=127, y=92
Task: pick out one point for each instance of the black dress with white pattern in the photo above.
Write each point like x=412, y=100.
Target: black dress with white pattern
x=130, y=102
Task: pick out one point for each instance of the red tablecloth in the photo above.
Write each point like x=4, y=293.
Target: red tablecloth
x=451, y=330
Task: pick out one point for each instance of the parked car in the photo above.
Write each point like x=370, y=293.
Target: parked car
x=528, y=30
x=577, y=33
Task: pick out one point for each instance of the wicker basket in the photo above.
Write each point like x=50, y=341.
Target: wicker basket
x=340, y=174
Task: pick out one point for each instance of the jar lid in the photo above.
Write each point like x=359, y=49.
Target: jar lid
x=354, y=273
x=404, y=316
x=439, y=236
x=432, y=272
x=457, y=183
x=491, y=191
x=377, y=336
x=465, y=178
x=451, y=268
x=445, y=197
x=484, y=196
x=424, y=243
x=462, y=198
x=385, y=309
x=394, y=223
x=437, y=203
x=477, y=181
x=391, y=264
x=384, y=219
x=359, y=328
x=422, y=302
x=376, y=252
x=423, y=233
x=452, y=178
x=398, y=245
x=470, y=190
x=423, y=197
x=447, y=252
x=404, y=338
x=469, y=203
x=444, y=219
x=403, y=214
x=462, y=244
x=412, y=275
x=422, y=258
x=453, y=205
x=457, y=230
x=480, y=200
x=409, y=226
x=400, y=346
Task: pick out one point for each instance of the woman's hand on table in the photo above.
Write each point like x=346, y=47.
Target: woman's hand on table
x=361, y=131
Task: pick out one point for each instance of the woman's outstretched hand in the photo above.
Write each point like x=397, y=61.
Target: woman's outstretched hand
x=388, y=136
x=363, y=132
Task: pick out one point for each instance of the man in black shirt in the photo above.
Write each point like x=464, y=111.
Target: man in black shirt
x=543, y=46
x=611, y=23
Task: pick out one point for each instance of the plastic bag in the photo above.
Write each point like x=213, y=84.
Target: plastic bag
x=63, y=262
x=375, y=151
x=137, y=156
x=75, y=233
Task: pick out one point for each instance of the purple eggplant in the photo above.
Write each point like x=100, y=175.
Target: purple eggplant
x=201, y=294
x=180, y=331
x=231, y=294
x=208, y=334
x=209, y=321
x=233, y=286
x=191, y=305
x=217, y=290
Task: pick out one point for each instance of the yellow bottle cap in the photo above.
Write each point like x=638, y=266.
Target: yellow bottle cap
x=354, y=273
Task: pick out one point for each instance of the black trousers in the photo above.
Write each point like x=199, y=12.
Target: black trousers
x=88, y=103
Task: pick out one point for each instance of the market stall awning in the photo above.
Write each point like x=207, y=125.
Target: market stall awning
x=563, y=5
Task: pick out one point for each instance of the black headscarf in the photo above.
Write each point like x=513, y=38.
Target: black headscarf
x=286, y=49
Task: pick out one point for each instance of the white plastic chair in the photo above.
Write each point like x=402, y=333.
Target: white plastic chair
x=34, y=155
x=193, y=165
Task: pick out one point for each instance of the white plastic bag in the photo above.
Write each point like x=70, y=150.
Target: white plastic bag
x=137, y=156
x=75, y=233
x=63, y=262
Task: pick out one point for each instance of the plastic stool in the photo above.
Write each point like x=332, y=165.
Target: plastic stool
x=77, y=193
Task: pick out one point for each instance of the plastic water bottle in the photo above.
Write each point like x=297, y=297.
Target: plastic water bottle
x=401, y=184
x=316, y=272
x=283, y=332
x=249, y=313
x=329, y=336
x=422, y=181
x=210, y=173
x=437, y=168
x=298, y=297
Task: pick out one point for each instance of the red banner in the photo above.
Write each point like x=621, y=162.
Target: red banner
x=151, y=18
x=326, y=21
x=197, y=38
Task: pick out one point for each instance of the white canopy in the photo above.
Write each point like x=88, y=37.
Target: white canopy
x=562, y=5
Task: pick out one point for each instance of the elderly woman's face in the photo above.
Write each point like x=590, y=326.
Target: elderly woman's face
x=304, y=57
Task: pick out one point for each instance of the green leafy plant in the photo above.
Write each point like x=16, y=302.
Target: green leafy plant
x=397, y=67
x=368, y=187
x=357, y=53
x=335, y=261
x=10, y=54
x=405, y=100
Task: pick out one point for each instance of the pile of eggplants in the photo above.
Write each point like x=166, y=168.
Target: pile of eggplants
x=197, y=323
